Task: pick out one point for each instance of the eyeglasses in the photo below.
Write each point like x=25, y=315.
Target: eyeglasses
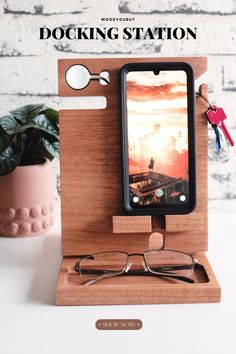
x=162, y=263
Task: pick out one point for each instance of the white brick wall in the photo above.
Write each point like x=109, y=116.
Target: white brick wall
x=178, y=6
x=28, y=72
x=43, y=7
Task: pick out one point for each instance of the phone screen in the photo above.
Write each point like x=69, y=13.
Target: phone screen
x=157, y=128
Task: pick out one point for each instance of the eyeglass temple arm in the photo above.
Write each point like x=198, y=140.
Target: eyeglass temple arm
x=138, y=273
x=174, y=267
x=178, y=277
x=163, y=274
x=159, y=269
x=104, y=276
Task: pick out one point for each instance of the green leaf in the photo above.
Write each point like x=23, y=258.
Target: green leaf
x=41, y=122
x=52, y=147
x=5, y=140
x=26, y=113
x=9, y=160
x=10, y=125
x=39, y=152
x=44, y=123
x=52, y=114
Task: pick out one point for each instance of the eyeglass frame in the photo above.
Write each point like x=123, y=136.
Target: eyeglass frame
x=147, y=271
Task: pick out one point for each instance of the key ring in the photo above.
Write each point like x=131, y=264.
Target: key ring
x=198, y=94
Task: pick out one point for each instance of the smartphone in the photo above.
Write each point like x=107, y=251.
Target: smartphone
x=158, y=138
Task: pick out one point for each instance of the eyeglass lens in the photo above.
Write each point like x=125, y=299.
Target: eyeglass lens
x=102, y=265
x=173, y=262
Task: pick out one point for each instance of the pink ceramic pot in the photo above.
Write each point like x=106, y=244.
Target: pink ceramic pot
x=27, y=203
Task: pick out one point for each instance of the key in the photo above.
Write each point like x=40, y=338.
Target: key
x=216, y=116
x=217, y=134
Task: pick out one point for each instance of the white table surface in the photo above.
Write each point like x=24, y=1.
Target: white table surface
x=30, y=323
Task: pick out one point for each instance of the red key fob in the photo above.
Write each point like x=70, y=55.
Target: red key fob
x=216, y=116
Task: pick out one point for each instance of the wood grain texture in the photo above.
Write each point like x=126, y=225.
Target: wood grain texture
x=131, y=224
x=156, y=241
x=136, y=290
x=197, y=221
x=91, y=196
x=91, y=171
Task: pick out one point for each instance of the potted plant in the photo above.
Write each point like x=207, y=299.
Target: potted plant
x=29, y=140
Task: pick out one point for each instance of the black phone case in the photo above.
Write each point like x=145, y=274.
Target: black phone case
x=159, y=209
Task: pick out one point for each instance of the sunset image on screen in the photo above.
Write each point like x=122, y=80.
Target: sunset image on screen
x=158, y=136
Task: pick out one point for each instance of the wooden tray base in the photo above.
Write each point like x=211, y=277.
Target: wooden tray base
x=137, y=289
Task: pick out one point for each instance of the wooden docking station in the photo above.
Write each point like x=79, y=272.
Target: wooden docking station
x=92, y=216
